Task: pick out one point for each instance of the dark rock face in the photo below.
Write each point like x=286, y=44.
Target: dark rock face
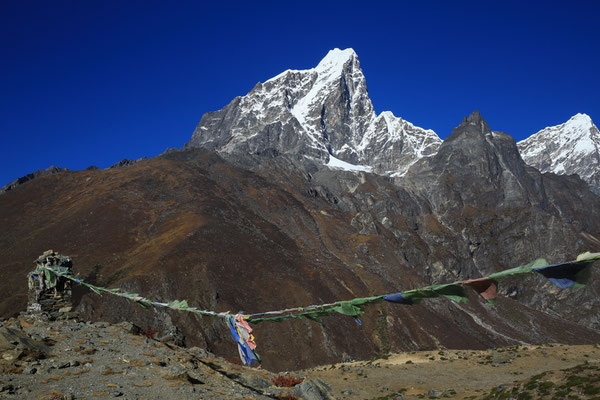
x=504, y=212
x=484, y=167
x=40, y=172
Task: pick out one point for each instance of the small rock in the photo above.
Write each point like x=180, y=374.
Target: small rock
x=31, y=371
x=199, y=352
x=255, y=381
x=128, y=327
x=115, y=393
x=175, y=373
x=7, y=388
x=64, y=365
x=501, y=360
x=312, y=390
x=434, y=394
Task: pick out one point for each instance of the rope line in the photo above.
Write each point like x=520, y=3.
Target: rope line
x=347, y=307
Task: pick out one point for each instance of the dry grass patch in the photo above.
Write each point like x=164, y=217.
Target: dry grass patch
x=81, y=371
x=138, y=363
x=110, y=371
x=52, y=395
x=12, y=370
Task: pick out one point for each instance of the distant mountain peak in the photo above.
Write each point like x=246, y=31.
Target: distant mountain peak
x=572, y=147
x=320, y=112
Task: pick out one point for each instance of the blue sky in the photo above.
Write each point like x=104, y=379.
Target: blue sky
x=92, y=82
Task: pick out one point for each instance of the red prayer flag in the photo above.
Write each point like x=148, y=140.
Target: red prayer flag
x=486, y=287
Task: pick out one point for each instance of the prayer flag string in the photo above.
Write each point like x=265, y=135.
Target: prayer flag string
x=564, y=275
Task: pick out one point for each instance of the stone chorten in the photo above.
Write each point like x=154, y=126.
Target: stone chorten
x=49, y=292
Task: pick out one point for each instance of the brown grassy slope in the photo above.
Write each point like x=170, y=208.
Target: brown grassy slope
x=195, y=227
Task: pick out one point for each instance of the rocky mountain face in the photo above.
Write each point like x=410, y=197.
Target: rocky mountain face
x=484, y=195
x=323, y=113
x=569, y=148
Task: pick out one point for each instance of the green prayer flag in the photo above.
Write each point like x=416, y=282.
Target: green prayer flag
x=347, y=308
x=523, y=269
x=365, y=300
x=588, y=257
x=50, y=278
x=178, y=304
x=452, y=291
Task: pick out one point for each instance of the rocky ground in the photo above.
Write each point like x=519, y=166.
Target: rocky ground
x=70, y=359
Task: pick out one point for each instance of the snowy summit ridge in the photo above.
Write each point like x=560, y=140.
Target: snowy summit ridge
x=323, y=113
x=569, y=148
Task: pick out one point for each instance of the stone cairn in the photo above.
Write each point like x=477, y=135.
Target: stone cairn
x=49, y=293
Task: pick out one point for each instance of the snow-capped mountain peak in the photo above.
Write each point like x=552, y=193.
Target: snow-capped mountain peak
x=569, y=148
x=319, y=112
x=335, y=60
